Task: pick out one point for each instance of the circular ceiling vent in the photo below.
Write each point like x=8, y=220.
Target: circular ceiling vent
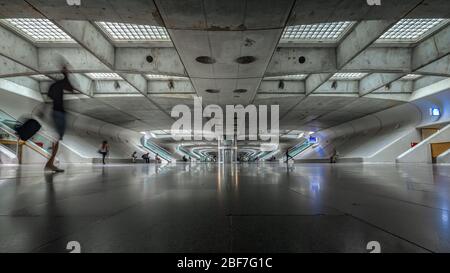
x=302, y=59
x=240, y=91
x=205, y=60
x=245, y=60
x=212, y=91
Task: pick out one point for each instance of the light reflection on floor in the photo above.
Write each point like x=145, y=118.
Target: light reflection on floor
x=264, y=207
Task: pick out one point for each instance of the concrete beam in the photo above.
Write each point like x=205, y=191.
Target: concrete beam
x=134, y=60
x=285, y=61
x=91, y=38
x=314, y=81
x=107, y=58
x=10, y=68
x=439, y=67
x=389, y=59
x=79, y=60
x=362, y=36
x=375, y=81
x=18, y=49
x=162, y=87
x=432, y=49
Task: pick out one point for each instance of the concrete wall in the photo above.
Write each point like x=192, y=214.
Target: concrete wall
x=386, y=135
x=374, y=138
x=84, y=135
x=421, y=153
x=444, y=158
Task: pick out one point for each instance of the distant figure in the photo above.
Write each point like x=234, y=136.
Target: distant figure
x=146, y=157
x=158, y=160
x=104, y=150
x=185, y=158
x=288, y=156
x=56, y=93
x=134, y=157
x=334, y=157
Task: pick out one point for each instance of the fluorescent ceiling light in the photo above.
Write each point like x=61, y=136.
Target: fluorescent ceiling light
x=298, y=77
x=411, y=77
x=131, y=32
x=38, y=30
x=411, y=30
x=104, y=76
x=317, y=32
x=164, y=77
x=348, y=76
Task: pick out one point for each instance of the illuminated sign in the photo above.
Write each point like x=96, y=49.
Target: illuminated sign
x=435, y=112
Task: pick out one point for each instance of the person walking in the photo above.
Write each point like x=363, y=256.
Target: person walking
x=288, y=156
x=56, y=93
x=104, y=150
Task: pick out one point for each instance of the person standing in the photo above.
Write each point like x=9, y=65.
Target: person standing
x=56, y=93
x=134, y=157
x=104, y=151
x=146, y=157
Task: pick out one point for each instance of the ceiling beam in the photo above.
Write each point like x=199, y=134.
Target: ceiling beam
x=94, y=42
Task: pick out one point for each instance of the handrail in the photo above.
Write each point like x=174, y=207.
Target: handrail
x=159, y=150
x=299, y=148
x=29, y=144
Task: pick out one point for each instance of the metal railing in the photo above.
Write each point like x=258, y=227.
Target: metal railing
x=163, y=153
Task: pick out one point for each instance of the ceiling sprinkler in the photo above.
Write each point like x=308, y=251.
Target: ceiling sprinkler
x=73, y=2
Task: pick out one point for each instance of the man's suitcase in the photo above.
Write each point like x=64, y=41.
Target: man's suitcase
x=28, y=129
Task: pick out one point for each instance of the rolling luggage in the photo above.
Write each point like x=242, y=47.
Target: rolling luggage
x=28, y=129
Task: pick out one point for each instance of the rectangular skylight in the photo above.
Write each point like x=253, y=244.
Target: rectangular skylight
x=348, y=76
x=411, y=77
x=164, y=77
x=38, y=30
x=411, y=30
x=297, y=77
x=331, y=32
x=104, y=76
x=131, y=32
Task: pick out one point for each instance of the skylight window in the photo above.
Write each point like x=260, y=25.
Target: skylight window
x=316, y=32
x=104, y=76
x=164, y=77
x=131, y=32
x=411, y=30
x=348, y=76
x=411, y=77
x=38, y=30
x=298, y=77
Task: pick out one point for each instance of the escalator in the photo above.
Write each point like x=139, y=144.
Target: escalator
x=192, y=154
x=152, y=147
x=299, y=148
x=12, y=146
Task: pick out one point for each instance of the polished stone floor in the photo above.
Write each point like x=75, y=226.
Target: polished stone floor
x=232, y=208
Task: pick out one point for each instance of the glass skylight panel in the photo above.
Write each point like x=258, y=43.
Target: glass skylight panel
x=164, y=77
x=411, y=30
x=348, y=76
x=411, y=77
x=104, y=76
x=131, y=32
x=38, y=30
x=297, y=77
x=316, y=32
